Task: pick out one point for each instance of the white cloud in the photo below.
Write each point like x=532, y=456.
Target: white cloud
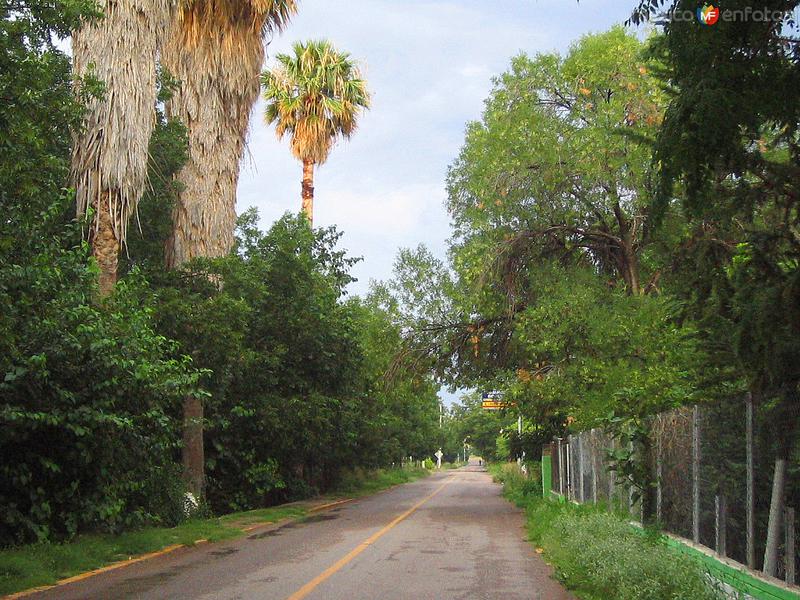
x=393, y=214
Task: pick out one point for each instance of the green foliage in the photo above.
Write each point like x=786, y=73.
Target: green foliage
x=517, y=486
x=600, y=555
x=545, y=296
x=295, y=373
x=604, y=351
x=37, y=112
x=573, y=181
x=478, y=428
x=86, y=403
x=89, y=391
x=730, y=163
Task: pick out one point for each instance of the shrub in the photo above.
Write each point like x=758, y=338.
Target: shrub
x=87, y=404
x=518, y=486
x=601, y=554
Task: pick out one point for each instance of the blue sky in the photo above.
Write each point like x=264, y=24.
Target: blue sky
x=429, y=66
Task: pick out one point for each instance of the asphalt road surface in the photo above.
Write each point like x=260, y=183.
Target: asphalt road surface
x=450, y=535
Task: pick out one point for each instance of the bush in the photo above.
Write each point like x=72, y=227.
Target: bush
x=600, y=554
x=518, y=486
x=88, y=403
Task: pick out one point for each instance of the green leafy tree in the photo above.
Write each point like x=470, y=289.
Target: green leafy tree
x=554, y=291
x=295, y=371
x=556, y=166
x=731, y=162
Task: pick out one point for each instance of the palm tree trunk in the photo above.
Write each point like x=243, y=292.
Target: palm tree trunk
x=109, y=158
x=308, y=191
x=193, y=451
x=217, y=54
x=104, y=243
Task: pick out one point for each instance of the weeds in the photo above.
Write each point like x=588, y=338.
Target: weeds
x=598, y=554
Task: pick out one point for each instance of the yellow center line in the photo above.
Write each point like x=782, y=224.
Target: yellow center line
x=311, y=585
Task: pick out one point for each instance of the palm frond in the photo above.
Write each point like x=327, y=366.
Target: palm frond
x=315, y=94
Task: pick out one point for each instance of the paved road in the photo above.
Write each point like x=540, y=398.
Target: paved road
x=448, y=536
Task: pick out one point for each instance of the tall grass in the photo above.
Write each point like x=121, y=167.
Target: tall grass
x=600, y=555
x=359, y=482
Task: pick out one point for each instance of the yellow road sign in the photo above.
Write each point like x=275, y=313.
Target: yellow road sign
x=491, y=404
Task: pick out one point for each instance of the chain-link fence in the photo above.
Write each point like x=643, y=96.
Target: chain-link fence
x=712, y=467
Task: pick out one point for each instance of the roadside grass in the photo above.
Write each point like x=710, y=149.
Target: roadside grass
x=598, y=555
x=35, y=565
x=359, y=482
x=452, y=465
x=44, y=564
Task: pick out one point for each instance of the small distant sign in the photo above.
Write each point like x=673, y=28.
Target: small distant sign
x=492, y=405
x=493, y=401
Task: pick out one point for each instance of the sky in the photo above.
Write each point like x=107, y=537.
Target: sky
x=429, y=66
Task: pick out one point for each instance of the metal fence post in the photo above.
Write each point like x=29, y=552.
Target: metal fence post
x=581, y=468
x=789, y=556
x=696, y=474
x=659, y=469
x=593, y=449
x=569, y=468
x=750, y=500
x=557, y=470
x=612, y=481
x=720, y=525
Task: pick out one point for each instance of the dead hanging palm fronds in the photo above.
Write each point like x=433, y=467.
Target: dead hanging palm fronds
x=215, y=49
x=109, y=160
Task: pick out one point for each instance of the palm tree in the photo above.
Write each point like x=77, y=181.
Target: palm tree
x=216, y=51
x=109, y=158
x=316, y=96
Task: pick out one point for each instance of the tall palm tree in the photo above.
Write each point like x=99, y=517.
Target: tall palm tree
x=109, y=159
x=215, y=49
x=314, y=95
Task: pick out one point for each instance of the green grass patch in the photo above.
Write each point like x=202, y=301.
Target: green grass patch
x=598, y=555
x=359, y=482
x=44, y=564
x=455, y=465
